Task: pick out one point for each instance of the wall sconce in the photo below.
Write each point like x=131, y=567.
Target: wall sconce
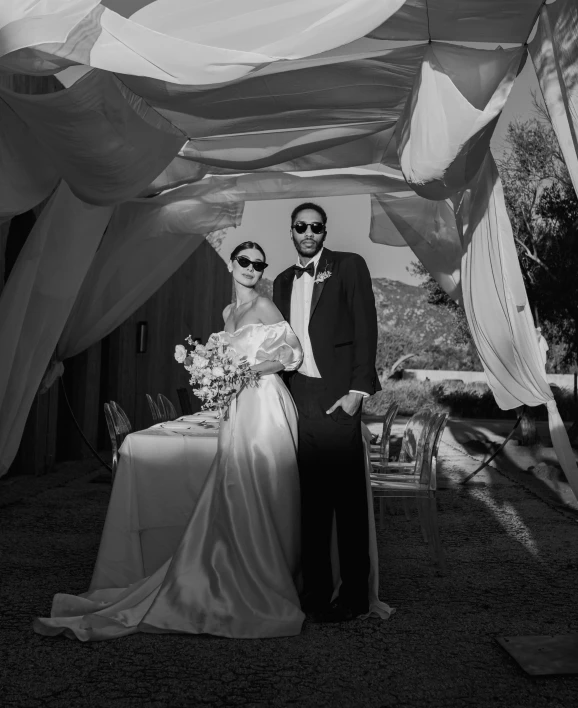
x=142, y=337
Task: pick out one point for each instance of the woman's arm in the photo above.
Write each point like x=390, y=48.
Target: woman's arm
x=268, y=367
x=268, y=314
x=227, y=312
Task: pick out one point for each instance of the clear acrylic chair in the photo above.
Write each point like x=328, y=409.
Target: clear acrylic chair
x=119, y=427
x=420, y=485
x=439, y=433
x=411, y=455
x=412, y=446
x=166, y=408
x=380, y=452
x=123, y=423
x=109, y=417
x=155, y=413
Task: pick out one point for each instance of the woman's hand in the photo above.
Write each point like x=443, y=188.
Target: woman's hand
x=267, y=367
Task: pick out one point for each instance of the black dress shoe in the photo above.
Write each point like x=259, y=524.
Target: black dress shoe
x=316, y=616
x=312, y=605
x=341, y=612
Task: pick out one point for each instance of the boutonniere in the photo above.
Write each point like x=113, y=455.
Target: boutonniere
x=322, y=277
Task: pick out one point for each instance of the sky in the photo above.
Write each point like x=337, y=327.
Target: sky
x=268, y=221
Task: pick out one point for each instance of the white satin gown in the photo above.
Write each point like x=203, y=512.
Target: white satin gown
x=234, y=572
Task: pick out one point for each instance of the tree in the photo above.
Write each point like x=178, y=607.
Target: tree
x=436, y=295
x=543, y=211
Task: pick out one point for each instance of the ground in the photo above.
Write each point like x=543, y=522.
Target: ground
x=511, y=548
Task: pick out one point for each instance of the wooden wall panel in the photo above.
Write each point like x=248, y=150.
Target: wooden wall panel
x=37, y=452
x=81, y=381
x=190, y=302
x=4, y=228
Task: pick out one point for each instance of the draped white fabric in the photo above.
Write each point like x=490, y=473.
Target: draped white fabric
x=27, y=175
x=141, y=234
x=429, y=229
x=181, y=41
x=37, y=301
x=554, y=52
x=499, y=314
x=97, y=136
x=178, y=111
x=461, y=20
x=458, y=95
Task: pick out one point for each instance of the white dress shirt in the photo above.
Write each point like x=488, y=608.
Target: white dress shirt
x=301, y=297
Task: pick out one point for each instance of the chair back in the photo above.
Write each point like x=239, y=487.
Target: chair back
x=109, y=416
x=119, y=427
x=428, y=474
x=414, y=435
x=185, y=401
x=166, y=408
x=439, y=433
x=155, y=413
x=367, y=454
x=122, y=422
x=388, y=418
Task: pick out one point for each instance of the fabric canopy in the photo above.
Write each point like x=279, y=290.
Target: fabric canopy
x=174, y=113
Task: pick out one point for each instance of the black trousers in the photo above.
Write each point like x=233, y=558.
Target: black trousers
x=332, y=477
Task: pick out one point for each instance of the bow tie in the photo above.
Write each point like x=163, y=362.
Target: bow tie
x=308, y=269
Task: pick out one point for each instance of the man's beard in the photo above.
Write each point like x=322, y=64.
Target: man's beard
x=309, y=254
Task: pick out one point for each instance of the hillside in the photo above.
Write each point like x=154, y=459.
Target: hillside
x=408, y=324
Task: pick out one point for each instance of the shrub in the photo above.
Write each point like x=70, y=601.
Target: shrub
x=460, y=400
x=409, y=394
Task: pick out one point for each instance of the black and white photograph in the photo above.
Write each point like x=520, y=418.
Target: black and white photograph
x=288, y=353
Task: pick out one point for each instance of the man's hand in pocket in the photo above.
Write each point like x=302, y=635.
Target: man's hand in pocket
x=350, y=403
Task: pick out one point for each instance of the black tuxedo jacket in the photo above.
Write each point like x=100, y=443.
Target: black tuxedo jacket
x=342, y=325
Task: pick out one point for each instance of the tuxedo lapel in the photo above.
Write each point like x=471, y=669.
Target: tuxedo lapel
x=326, y=264
x=285, y=290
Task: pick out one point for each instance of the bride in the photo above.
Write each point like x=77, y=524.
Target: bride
x=235, y=569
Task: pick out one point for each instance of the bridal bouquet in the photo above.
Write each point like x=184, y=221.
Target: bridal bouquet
x=217, y=371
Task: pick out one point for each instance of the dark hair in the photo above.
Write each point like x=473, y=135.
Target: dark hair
x=309, y=205
x=245, y=246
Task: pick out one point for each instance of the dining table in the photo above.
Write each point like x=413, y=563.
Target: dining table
x=160, y=474
x=159, y=478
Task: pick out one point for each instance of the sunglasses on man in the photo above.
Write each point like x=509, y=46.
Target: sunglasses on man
x=317, y=227
x=245, y=262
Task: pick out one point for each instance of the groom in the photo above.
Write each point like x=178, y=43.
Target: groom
x=328, y=300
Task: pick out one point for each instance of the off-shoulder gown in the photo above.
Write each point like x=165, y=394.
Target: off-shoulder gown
x=235, y=569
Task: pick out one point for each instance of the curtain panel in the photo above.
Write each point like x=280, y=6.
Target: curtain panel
x=554, y=52
x=36, y=303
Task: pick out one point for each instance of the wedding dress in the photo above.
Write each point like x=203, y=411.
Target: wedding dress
x=234, y=571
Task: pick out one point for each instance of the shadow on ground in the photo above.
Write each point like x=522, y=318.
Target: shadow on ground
x=513, y=571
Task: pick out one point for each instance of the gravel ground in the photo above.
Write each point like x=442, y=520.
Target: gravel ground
x=513, y=571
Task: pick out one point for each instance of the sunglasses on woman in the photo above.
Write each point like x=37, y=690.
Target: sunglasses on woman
x=245, y=262
x=317, y=227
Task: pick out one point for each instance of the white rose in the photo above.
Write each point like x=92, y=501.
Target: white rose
x=180, y=353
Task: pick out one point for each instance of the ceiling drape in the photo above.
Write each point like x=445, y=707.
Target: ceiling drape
x=174, y=113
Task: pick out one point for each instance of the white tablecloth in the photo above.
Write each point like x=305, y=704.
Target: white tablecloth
x=159, y=477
